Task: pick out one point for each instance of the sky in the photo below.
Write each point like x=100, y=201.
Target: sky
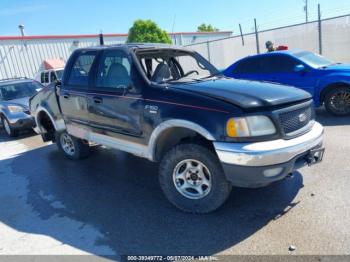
x=61, y=17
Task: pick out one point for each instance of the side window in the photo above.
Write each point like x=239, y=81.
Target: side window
x=248, y=66
x=280, y=64
x=79, y=75
x=113, y=70
x=42, y=77
x=53, y=77
x=46, y=77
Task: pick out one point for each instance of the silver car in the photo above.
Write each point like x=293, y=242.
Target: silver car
x=14, y=101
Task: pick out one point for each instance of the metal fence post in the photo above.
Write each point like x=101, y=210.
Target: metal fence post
x=240, y=30
x=319, y=30
x=208, y=49
x=257, y=37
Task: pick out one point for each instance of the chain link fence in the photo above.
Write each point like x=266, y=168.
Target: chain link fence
x=330, y=37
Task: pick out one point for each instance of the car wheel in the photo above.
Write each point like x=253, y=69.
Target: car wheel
x=8, y=129
x=72, y=147
x=337, y=101
x=192, y=179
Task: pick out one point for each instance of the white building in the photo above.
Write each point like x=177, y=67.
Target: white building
x=25, y=55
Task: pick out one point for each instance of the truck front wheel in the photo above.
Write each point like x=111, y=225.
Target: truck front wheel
x=72, y=147
x=192, y=179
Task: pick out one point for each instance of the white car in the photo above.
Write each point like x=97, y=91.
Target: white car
x=46, y=77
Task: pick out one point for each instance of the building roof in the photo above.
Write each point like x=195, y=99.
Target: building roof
x=34, y=37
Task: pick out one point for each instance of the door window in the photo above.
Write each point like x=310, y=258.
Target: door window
x=79, y=75
x=53, y=77
x=279, y=64
x=249, y=66
x=113, y=70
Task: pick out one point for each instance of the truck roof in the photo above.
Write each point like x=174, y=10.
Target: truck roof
x=136, y=45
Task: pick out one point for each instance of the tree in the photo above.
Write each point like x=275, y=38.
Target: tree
x=206, y=28
x=147, y=31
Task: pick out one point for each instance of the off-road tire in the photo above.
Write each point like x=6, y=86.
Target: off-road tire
x=81, y=147
x=220, y=187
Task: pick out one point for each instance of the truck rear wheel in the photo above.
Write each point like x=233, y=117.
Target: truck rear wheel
x=192, y=179
x=337, y=101
x=72, y=147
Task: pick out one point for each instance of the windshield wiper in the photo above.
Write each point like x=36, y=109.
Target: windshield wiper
x=330, y=65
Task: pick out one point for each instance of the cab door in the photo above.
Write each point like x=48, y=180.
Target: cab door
x=73, y=91
x=115, y=107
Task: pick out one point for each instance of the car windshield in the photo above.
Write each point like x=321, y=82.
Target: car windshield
x=59, y=74
x=19, y=90
x=169, y=65
x=313, y=59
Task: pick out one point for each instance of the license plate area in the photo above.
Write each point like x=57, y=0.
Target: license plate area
x=315, y=156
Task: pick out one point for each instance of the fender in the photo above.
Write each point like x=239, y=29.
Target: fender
x=329, y=80
x=171, y=124
x=59, y=124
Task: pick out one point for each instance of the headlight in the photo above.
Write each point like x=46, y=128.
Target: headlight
x=15, y=109
x=250, y=126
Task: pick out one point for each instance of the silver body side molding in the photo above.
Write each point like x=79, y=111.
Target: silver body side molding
x=120, y=144
x=145, y=151
x=175, y=123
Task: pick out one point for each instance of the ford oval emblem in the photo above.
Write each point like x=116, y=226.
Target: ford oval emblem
x=302, y=117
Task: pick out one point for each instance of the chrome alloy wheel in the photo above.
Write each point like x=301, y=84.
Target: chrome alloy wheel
x=67, y=144
x=192, y=179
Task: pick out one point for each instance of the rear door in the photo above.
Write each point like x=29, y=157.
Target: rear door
x=115, y=109
x=73, y=92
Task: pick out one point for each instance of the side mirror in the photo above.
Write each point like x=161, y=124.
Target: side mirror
x=299, y=68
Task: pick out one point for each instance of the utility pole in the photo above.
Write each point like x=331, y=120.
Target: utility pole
x=306, y=9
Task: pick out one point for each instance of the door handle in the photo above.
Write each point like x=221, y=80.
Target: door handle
x=97, y=100
x=66, y=95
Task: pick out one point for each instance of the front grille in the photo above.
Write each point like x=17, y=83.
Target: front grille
x=297, y=119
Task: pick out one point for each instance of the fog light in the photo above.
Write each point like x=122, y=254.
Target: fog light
x=273, y=172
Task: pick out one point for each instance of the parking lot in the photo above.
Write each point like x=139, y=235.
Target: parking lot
x=111, y=204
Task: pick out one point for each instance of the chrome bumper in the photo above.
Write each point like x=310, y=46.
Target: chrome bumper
x=269, y=152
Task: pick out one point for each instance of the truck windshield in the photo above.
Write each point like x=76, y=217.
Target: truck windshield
x=313, y=60
x=170, y=65
x=19, y=90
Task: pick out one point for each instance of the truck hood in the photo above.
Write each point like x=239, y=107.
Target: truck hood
x=247, y=94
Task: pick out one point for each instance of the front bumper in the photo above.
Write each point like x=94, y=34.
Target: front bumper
x=257, y=164
x=21, y=121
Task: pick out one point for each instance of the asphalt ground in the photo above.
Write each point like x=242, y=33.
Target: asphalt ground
x=111, y=204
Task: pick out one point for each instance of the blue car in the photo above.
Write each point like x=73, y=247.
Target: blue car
x=326, y=81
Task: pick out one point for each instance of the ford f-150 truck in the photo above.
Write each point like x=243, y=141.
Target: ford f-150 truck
x=170, y=105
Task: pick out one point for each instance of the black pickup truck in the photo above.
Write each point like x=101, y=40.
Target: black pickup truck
x=170, y=105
